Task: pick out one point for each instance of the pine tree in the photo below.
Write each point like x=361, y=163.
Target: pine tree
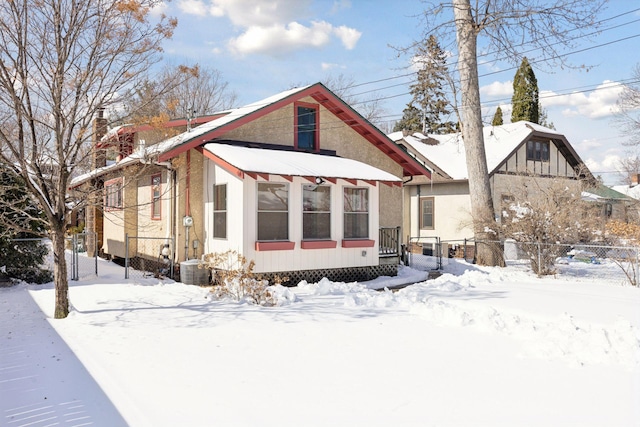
x=428, y=93
x=497, y=117
x=525, y=99
x=411, y=120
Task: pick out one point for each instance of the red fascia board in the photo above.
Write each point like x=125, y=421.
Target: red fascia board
x=240, y=121
x=222, y=163
x=372, y=134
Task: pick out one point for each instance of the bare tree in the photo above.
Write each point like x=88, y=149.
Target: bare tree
x=61, y=61
x=548, y=25
x=629, y=108
x=629, y=168
x=178, y=91
x=367, y=103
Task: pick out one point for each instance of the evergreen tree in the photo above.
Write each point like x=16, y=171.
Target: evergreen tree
x=497, y=117
x=428, y=93
x=411, y=120
x=525, y=100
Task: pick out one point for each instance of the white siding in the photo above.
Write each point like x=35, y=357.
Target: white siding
x=242, y=225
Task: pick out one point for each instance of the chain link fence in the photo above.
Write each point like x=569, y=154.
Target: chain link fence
x=32, y=259
x=543, y=258
x=149, y=257
x=423, y=253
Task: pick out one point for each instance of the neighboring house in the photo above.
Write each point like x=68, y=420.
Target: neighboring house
x=614, y=205
x=298, y=182
x=515, y=152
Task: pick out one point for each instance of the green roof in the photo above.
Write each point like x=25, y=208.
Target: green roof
x=607, y=193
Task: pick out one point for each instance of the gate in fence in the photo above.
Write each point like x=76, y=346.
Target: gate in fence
x=40, y=250
x=424, y=253
x=149, y=257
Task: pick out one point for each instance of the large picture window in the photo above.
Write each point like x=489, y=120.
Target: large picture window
x=356, y=213
x=156, y=192
x=538, y=150
x=316, y=212
x=113, y=194
x=306, y=127
x=427, y=213
x=273, y=211
x=220, y=211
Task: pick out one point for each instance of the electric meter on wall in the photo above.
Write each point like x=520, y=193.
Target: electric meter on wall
x=187, y=221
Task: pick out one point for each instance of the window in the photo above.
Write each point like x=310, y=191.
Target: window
x=356, y=213
x=220, y=211
x=316, y=212
x=273, y=211
x=113, y=194
x=306, y=124
x=156, y=191
x=538, y=150
x=426, y=213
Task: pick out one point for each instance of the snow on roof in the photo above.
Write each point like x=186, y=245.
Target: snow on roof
x=629, y=190
x=449, y=154
x=295, y=163
x=233, y=115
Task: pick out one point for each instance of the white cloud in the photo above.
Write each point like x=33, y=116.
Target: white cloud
x=598, y=103
x=159, y=9
x=348, y=36
x=193, y=7
x=279, y=40
x=328, y=66
x=498, y=89
x=274, y=27
x=261, y=13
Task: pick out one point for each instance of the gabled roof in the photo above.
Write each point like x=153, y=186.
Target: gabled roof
x=500, y=143
x=235, y=118
x=262, y=162
x=602, y=193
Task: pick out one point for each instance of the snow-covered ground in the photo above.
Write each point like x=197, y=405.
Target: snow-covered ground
x=475, y=347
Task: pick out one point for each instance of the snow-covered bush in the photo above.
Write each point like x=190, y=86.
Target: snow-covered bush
x=542, y=214
x=233, y=277
x=628, y=234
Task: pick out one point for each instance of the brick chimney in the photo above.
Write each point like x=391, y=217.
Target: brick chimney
x=93, y=217
x=635, y=179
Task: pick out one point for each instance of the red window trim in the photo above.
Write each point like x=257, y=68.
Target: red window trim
x=153, y=200
x=316, y=107
x=275, y=246
x=359, y=243
x=318, y=244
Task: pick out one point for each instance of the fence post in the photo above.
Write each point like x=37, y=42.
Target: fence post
x=126, y=256
x=539, y=260
x=74, y=252
x=95, y=251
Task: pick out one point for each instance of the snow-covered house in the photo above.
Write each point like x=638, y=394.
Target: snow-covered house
x=298, y=182
x=515, y=152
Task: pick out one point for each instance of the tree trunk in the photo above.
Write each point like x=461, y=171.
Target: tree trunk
x=60, y=274
x=484, y=225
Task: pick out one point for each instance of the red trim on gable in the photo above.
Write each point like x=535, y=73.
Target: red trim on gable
x=222, y=163
x=370, y=182
x=363, y=243
x=351, y=181
x=331, y=180
x=287, y=177
x=275, y=246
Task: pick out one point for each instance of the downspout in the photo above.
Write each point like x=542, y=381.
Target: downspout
x=187, y=209
x=409, y=214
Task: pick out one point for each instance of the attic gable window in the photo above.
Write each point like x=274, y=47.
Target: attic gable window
x=538, y=151
x=306, y=127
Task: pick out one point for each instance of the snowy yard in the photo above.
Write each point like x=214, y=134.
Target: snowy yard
x=476, y=347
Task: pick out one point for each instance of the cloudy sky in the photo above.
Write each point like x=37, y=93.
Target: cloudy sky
x=263, y=47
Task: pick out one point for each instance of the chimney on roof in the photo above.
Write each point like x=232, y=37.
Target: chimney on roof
x=99, y=156
x=635, y=179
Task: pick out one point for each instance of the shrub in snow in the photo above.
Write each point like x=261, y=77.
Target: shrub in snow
x=233, y=277
x=543, y=215
x=22, y=260
x=628, y=259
